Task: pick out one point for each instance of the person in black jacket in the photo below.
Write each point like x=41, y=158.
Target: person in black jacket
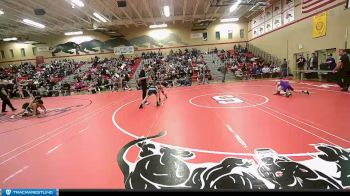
x=343, y=69
x=143, y=80
x=4, y=96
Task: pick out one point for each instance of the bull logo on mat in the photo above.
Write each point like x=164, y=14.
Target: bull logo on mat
x=160, y=167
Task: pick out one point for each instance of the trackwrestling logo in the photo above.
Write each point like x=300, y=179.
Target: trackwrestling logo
x=159, y=167
x=33, y=192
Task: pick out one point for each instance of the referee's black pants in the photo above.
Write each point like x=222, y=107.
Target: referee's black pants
x=6, y=101
x=144, y=91
x=341, y=79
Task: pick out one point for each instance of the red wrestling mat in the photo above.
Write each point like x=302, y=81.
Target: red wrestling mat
x=236, y=136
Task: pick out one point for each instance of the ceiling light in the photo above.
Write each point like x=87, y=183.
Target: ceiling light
x=78, y=3
x=2, y=12
x=158, y=26
x=73, y=33
x=229, y=20
x=101, y=18
x=166, y=11
x=32, y=23
x=30, y=42
x=10, y=39
x=235, y=5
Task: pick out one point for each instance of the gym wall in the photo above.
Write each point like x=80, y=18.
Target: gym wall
x=296, y=37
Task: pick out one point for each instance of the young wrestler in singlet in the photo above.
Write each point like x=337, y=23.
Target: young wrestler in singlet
x=152, y=90
x=284, y=88
x=31, y=108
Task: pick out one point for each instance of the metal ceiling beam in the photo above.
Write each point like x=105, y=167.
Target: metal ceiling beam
x=48, y=9
x=101, y=3
x=160, y=8
x=30, y=2
x=64, y=11
x=216, y=11
x=137, y=12
x=21, y=14
x=184, y=11
x=173, y=10
x=146, y=5
x=207, y=7
x=195, y=9
x=127, y=15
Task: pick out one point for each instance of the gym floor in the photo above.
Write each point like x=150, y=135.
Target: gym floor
x=234, y=135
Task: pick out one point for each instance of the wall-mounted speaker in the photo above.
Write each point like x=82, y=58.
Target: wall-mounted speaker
x=121, y=3
x=39, y=12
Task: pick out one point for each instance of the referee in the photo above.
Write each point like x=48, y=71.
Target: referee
x=343, y=67
x=143, y=80
x=4, y=96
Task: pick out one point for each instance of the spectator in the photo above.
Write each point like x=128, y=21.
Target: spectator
x=284, y=68
x=331, y=62
x=313, y=62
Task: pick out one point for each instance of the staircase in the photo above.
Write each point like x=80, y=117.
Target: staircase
x=265, y=55
x=133, y=80
x=82, y=69
x=217, y=75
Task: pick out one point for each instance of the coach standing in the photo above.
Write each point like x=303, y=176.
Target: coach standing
x=143, y=80
x=343, y=67
x=5, y=96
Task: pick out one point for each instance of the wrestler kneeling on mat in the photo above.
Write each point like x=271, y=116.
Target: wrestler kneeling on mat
x=154, y=90
x=285, y=89
x=31, y=108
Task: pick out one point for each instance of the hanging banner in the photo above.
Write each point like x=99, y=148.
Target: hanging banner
x=319, y=25
x=261, y=29
x=268, y=13
x=277, y=21
x=124, y=50
x=287, y=4
x=43, y=48
x=255, y=32
x=288, y=16
x=268, y=26
x=196, y=35
x=277, y=8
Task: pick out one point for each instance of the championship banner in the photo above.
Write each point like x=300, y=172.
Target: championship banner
x=196, y=35
x=124, y=50
x=319, y=25
x=42, y=48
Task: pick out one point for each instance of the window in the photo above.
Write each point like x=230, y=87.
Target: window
x=35, y=50
x=217, y=35
x=23, y=52
x=12, y=54
x=205, y=36
x=241, y=33
x=230, y=36
x=2, y=54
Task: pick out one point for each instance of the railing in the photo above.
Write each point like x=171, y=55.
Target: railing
x=265, y=55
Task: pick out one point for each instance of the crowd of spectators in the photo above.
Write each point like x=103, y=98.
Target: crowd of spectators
x=106, y=74
x=178, y=68
x=27, y=79
x=47, y=79
x=245, y=65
